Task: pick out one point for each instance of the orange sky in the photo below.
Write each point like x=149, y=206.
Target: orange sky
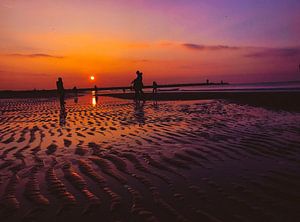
x=171, y=42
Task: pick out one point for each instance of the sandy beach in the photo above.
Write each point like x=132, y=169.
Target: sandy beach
x=149, y=111
x=110, y=159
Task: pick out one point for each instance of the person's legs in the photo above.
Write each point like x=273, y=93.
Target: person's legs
x=154, y=92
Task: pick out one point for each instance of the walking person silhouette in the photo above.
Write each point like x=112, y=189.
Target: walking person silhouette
x=154, y=90
x=138, y=85
x=61, y=91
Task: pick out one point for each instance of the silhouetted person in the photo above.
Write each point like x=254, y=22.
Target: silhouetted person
x=154, y=90
x=75, y=94
x=138, y=85
x=207, y=81
x=61, y=91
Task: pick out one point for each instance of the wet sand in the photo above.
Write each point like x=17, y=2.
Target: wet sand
x=110, y=159
x=280, y=100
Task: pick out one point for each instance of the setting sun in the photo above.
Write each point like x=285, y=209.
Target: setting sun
x=92, y=78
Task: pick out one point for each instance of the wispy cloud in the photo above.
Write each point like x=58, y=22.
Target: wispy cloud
x=35, y=55
x=275, y=52
x=251, y=52
x=200, y=47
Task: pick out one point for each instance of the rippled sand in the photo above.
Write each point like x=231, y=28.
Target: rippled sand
x=112, y=160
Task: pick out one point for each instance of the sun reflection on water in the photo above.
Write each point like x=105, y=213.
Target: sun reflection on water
x=94, y=98
x=94, y=102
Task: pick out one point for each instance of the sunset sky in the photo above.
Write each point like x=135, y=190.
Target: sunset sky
x=170, y=41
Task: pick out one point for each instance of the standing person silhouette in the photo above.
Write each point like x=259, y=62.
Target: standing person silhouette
x=154, y=90
x=138, y=87
x=61, y=91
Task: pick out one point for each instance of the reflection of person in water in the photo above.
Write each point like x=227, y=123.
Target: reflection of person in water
x=139, y=113
x=75, y=94
x=95, y=93
x=155, y=104
x=138, y=85
x=61, y=91
x=62, y=115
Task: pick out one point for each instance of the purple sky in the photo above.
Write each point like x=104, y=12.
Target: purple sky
x=170, y=40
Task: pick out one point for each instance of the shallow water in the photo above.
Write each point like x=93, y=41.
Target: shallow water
x=113, y=160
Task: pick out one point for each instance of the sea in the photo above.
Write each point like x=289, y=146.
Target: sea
x=262, y=86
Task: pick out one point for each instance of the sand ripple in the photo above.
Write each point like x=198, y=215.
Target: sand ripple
x=171, y=161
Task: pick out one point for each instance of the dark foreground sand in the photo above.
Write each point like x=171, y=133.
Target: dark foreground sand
x=202, y=160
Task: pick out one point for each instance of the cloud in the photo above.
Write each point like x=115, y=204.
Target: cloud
x=193, y=46
x=251, y=51
x=35, y=55
x=275, y=52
